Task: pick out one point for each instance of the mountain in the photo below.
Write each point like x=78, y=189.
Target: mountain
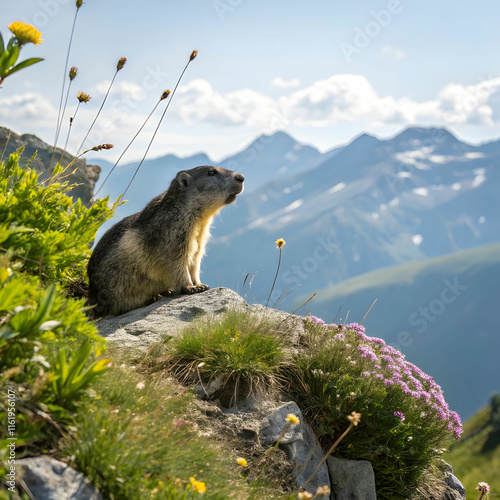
x=375, y=203
x=438, y=312
x=38, y=154
x=268, y=158
x=476, y=456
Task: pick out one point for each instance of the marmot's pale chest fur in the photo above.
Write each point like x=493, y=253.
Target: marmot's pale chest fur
x=159, y=250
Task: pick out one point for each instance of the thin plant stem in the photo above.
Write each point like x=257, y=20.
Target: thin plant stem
x=361, y=322
x=6, y=144
x=124, y=151
x=59, y=117
x=275, y=278
x=306, y=302
x=69, y=131
x=98, y=112
x=158, y=126
x=334, y=445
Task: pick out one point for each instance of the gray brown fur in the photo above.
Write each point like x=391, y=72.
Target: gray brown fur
x=159, y=250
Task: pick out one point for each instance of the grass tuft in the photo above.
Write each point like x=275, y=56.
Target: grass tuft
x=241, y=351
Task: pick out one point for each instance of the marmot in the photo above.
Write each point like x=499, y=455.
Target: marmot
x=159, y=250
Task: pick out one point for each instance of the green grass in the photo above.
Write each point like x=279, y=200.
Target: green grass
x=473, y=465
x=141, y=438
x=243, y=351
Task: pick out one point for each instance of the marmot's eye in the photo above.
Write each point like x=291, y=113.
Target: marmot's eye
x=212, y=172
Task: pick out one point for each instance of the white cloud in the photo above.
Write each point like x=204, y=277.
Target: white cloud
x=28, y=110
x=198, y=101
x=285, y=84
x=126, y=90
x=340, y=98
x=468, y=103
x=389, y=50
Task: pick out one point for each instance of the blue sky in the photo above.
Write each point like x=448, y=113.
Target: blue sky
x=324, y=71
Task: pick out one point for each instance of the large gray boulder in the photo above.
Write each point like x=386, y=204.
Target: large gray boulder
x=49, y=479
x=140, y=328
x=351, y=479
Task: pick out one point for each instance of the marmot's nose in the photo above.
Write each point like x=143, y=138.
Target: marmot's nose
x=239, y=177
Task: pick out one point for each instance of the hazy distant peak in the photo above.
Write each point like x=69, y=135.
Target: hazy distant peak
x=425, y=134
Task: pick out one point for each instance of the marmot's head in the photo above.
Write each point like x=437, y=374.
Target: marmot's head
x=209, y=186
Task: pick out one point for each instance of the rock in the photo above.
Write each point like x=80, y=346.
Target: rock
x=84, y=175
x=143, y=327
x=351, y=479
x=455, y=490
x=49, y=479
x=299, y=443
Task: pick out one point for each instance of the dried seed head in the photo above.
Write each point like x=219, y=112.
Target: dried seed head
x=83, y=97
x=165, y=95
x=193, y=55
x=121, y=63
x=102, y=146
x=79, y=3
x=72, y=72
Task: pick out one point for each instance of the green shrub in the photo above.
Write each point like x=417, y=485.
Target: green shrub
x=44, y=242
x=45, y=233
x=242, y=350
x=405, y=421
x=36, y=327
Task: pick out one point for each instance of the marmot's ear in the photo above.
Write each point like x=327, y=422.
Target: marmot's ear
x=183, y=177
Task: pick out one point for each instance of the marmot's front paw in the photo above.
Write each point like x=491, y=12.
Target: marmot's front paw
x=194, y=289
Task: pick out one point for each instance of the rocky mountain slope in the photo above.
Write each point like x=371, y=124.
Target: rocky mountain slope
x=84, y=175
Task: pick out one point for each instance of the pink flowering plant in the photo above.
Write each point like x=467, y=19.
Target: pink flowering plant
x=406, y=421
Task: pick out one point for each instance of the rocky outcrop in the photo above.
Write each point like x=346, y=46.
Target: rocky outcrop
x=84, y=175
x=143, y=327
x=260, y=420
x=48, y=479
x=300, y=445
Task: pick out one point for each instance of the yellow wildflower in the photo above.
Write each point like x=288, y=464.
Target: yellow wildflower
x=165, y=95
x=354, y=418
x=83, y=97
x=280, y=243
x=25, y=33
x=241, y=461
x=304, y=495
x=198, y=486
x=292, y=419
x=323, y=491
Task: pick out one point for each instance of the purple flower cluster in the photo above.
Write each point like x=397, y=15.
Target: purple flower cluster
x=316, y=320
x=400, y=415
x=388, y=365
